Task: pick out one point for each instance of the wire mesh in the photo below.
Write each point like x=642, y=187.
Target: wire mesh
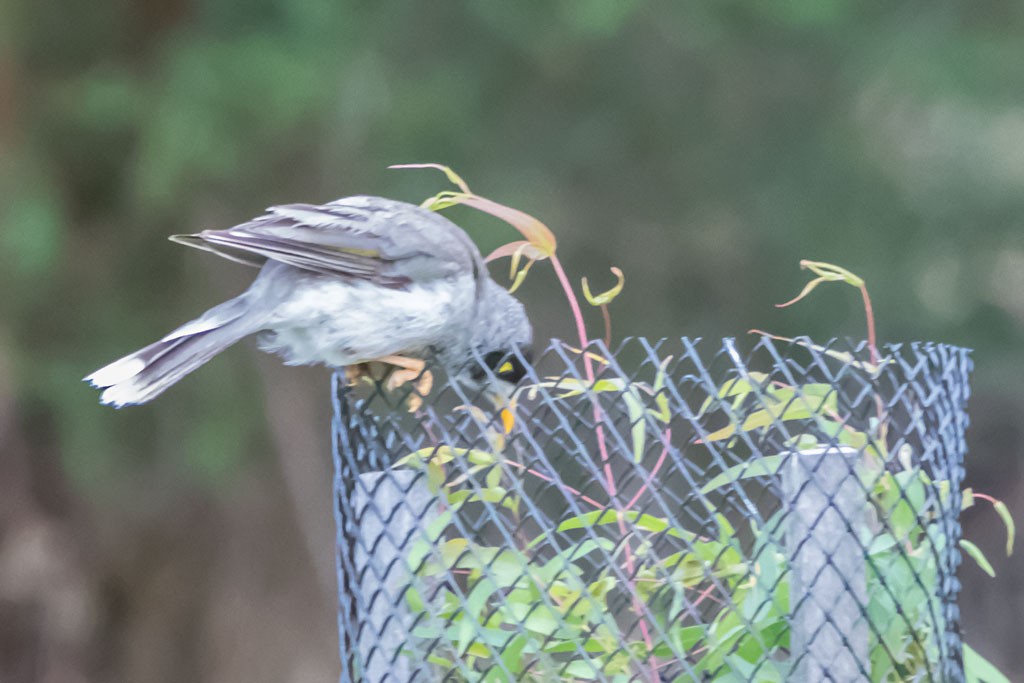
x=664, y=511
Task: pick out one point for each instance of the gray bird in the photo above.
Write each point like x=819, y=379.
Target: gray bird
x=356, y=280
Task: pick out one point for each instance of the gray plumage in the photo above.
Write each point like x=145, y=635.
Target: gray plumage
x=343, y=283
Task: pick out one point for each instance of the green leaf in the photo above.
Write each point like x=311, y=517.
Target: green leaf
x=511, y=656
x=684, y=638
x=969, y=499
x=581, y=669
x=581, y=550
x=570, y=386
x=601, y=517
x=536, y=617
x=832, y=272
x=439, y=661
x=464, y=628
x=977, y=669
x=978, y=556
x=872, y=369
x=909, y=506
x=826, y=272
x=540, y=237
x=598, y=517
x=787, y=404
x=660, y=396
x=452, y=176
x=493, y=478
x=808, y=288
x=444, y=454
x=435, y=476
x=1004, y=514
x=637, y=424
x=736, y=387
x=607, y=297
x=477, y=598
x=761, y=467
x=414, y=599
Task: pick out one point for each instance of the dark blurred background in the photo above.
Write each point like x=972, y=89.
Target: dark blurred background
x=703, y=146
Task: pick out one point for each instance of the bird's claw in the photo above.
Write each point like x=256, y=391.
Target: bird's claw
x=409, y=371
x=355, y=373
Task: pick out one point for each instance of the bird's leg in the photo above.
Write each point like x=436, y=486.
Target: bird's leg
x=354, y=373
x=409, y=370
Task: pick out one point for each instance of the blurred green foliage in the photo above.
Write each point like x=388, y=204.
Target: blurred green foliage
x=703, y=146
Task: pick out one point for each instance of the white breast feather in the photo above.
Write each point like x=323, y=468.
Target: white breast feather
x=339, y=323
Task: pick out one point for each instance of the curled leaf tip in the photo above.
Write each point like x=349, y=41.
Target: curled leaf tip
x=504, y=250
x=808, y=288
x=452, y=176
x=518, y=251
x=826, y=272
x=542, y=242
x=606, y=297
x=518, y=277
x=535, y=232
x=831, y=272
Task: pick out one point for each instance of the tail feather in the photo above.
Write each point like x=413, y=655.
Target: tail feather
x=147, y=373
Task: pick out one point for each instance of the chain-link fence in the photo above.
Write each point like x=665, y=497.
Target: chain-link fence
x=664, y=511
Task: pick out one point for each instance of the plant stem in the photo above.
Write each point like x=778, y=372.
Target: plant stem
x=666, y=439
x=607, y=325
x=564, y=487
x=869, y=313
x=581, y=329
x=574, y=304
x=588, y=365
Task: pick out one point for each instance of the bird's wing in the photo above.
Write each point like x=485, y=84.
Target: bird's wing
x=370, y=238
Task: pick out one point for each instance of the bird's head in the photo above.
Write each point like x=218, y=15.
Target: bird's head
x=502, y=339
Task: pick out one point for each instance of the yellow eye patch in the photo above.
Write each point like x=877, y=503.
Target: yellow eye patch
x=506, y=367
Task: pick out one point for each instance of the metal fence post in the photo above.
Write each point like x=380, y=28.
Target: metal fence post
x=391, y=511
x=380, y=515
x=828, y=591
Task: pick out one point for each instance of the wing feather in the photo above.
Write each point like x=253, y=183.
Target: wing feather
x=381, y=240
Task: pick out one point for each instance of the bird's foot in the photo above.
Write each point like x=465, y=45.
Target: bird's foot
x=411, y=371
x=355, y=373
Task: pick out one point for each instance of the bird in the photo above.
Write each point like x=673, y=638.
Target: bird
x=353, y=281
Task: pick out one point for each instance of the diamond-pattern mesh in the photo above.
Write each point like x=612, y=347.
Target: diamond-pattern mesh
x=663, y=511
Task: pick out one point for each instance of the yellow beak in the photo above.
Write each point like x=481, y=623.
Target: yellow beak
x=505, y=403
x=508, y=419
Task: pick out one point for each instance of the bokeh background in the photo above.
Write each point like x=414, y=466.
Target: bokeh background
x=702, y=146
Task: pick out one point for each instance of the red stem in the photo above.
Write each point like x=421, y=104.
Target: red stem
x=666, y=438
x=705, y=594
x=607, y=325
x=581, y=329
x=541, y=475
x=588, y=365
x=574, y=303
x=869, y=313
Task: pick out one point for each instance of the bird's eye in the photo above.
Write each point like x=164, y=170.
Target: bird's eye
x=505, y=366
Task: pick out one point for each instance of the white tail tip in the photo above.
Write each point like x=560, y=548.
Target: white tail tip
x=116, y=372
x=121, y=395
